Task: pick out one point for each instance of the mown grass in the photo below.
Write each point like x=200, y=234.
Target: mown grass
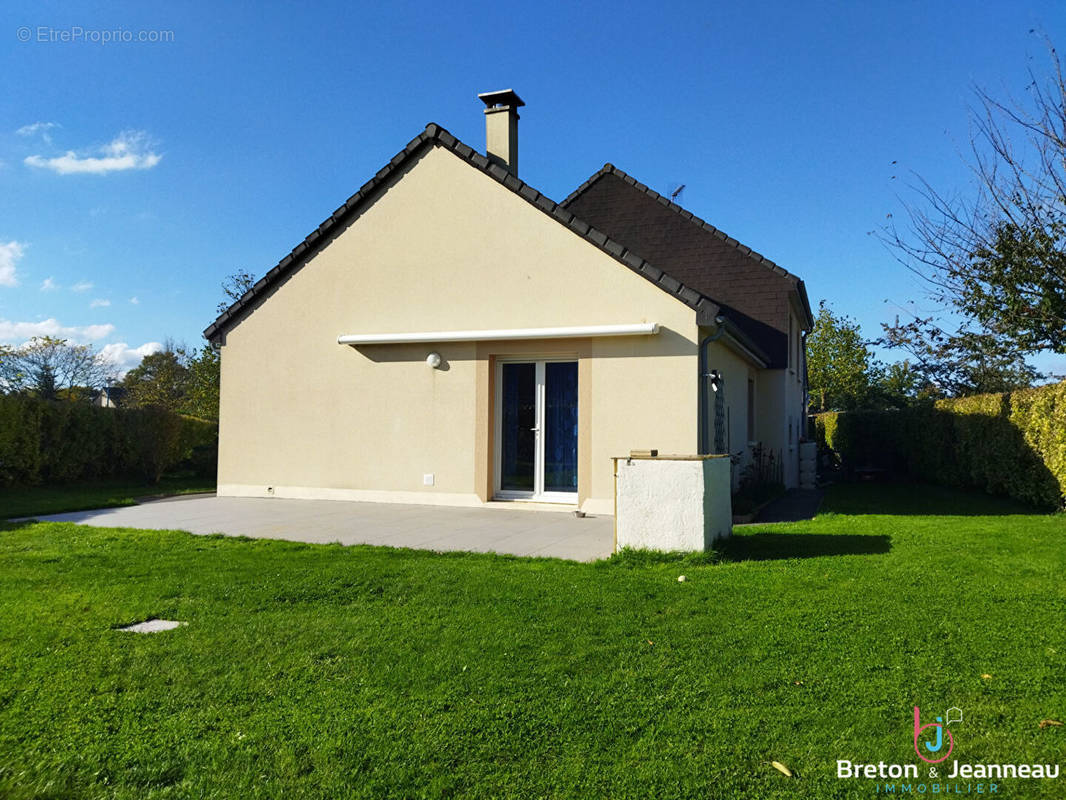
x=22, y=501
x=322, y=671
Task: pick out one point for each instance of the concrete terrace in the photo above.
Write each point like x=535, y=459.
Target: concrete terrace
x=510, y=531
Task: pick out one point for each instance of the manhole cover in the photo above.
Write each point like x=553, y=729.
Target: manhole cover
x=153, y=626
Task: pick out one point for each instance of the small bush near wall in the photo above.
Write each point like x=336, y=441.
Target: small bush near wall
x=1011, y=444
x=58, y=442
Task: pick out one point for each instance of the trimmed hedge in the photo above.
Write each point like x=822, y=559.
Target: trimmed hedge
x=45, y=441
x=1011, y=444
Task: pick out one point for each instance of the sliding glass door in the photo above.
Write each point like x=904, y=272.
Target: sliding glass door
x=536, y=430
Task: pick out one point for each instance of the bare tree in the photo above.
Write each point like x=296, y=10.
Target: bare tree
x=234, y=286
x=998, y=259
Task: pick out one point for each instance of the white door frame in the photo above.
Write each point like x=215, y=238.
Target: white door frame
x=538, y=494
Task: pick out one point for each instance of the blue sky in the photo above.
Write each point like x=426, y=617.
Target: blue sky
x=135, y=175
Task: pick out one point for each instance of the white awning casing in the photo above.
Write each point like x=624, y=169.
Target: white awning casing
x=572, y=332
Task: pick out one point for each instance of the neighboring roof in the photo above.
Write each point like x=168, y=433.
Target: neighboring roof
x=751, y=289
x=435, y=136
x=113, y=393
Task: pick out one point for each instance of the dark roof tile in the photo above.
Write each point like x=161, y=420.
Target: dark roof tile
x=750, y=289
x=689, y=295
x=670, y=283
x=579, y=225
x=562, y=215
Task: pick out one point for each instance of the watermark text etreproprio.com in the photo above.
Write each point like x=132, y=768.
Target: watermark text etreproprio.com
x=74, y=34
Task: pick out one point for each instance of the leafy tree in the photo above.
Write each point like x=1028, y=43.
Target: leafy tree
x=202, y=400
x=161, y=380
x=996, y=259
x=963, y=363
x=838, y=363
x=52, y=368
x=181, y=380
x=204, y=366
x=896, y=385
x=1016, y=284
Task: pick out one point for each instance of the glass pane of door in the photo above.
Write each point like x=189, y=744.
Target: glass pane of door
x=560, y=426
x=518, y=448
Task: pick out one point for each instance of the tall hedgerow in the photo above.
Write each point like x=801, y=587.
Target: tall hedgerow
x=1011, y=444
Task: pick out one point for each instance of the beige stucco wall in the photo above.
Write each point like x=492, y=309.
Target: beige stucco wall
x=781, y=417
x=444, y=248
x=735, y=370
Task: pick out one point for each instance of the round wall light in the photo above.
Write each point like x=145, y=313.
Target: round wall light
x=433, y=359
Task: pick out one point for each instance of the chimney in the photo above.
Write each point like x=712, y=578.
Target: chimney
x=501, y=128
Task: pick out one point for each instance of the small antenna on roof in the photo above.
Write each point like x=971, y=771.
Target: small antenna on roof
x=676, y=193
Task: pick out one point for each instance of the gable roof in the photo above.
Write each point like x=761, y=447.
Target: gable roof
x=435, y=136
x=752, y=290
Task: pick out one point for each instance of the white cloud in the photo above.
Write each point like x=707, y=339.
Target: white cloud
x=48, y=285
x=128, y=150
x=19, y=332
x=135, y=301
x=99, y=303
x=10, y=253
x=126, y=357
x=81, y=286
x=41, y=128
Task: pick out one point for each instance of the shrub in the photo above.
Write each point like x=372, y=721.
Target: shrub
x=60, y=441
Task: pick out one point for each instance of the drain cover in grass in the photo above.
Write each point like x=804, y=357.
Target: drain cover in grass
x=153, y=626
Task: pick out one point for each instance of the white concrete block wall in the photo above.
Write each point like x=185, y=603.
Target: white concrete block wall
x=673, y=503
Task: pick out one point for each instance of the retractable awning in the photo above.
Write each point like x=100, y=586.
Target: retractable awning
x=573, y=332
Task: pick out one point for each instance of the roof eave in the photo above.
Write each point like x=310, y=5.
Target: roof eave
x=737, y=337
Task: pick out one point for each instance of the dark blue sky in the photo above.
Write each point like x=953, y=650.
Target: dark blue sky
x=223, y=147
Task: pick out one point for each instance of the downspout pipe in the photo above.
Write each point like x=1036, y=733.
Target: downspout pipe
x=703, y=394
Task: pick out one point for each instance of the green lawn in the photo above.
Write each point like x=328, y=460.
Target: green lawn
x=21, y=501
x=322, y=671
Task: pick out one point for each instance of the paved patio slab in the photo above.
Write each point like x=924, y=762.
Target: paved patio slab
x=515, y=532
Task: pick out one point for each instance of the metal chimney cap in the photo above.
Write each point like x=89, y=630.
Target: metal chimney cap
x=503, y=97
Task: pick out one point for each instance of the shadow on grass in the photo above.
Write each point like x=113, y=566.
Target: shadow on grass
x=772, y=546
x=916, y=499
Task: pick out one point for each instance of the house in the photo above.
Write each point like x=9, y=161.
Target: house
x=449, y=335
x=109, y=397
